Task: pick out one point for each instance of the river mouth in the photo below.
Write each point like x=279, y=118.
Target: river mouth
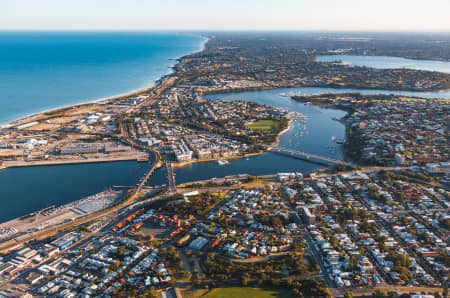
x=38, y=187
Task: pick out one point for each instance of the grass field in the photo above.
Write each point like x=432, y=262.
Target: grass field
x=265, y=125
x=239, y=292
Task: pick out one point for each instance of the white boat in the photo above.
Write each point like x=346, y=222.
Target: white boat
x=290, y=94
x=333, y=138
x=222, y=162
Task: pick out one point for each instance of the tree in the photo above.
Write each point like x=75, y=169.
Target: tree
x=445, y=292
x=348, y=295
x=150, y=293
x=245, y=278
x=379, y=294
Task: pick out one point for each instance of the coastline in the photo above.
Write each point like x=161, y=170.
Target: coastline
x=69, y=106
x=149, y=87
x=133, y=92
x=155, y=83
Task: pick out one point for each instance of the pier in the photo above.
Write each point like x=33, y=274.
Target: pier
x=308, y=156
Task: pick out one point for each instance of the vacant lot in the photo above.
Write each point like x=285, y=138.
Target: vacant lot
x=266, y=125
x=155, y=230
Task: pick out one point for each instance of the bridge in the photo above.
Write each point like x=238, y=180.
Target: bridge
x=308, y=156
x=171, y=178
x=154, y=165
x=145, y=178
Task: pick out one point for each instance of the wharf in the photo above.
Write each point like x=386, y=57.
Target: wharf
x=17, y=164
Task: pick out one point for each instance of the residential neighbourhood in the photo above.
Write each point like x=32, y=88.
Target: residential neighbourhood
x=366, y=212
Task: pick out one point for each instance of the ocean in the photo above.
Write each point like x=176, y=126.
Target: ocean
x=45, y=70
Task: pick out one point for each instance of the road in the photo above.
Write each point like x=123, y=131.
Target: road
x=405, y=245
x=307, y=156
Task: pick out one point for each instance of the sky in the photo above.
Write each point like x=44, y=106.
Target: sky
x=333, y=15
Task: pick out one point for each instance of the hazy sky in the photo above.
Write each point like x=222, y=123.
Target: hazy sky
x=419, y=15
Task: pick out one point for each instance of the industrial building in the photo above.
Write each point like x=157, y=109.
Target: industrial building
x=65, y=241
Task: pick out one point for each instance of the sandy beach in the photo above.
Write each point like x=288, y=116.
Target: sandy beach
x=30, y=117
x=135, y=92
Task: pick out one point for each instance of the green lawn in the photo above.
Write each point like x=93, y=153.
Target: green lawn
x=265, y=125
x=242, y=292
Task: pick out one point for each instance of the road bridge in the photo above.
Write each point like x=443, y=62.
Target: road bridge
x=171, y=178
x=145, y=178
x=308, y=156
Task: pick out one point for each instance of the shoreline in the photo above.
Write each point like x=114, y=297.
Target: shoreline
x=134, y=92
x=69, y=162
x=186, y=163
x=69, y=106
x=277, y=140
x=355, y=89
x=156, y=82
x=436, y=59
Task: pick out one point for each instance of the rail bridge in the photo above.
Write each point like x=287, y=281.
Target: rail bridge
x=308, y=156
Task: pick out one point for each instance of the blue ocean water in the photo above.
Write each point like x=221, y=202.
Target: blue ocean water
x=43, y=70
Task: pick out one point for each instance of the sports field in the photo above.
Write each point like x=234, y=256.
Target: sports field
x=239, y=292
x=265, y=125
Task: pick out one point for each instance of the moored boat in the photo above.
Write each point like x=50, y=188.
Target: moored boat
x=222, y=162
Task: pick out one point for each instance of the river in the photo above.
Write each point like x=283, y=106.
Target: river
x=314, y=136
x=25, y=190
x=384, y=62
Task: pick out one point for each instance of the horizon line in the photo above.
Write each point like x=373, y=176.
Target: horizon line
x=232, y=30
